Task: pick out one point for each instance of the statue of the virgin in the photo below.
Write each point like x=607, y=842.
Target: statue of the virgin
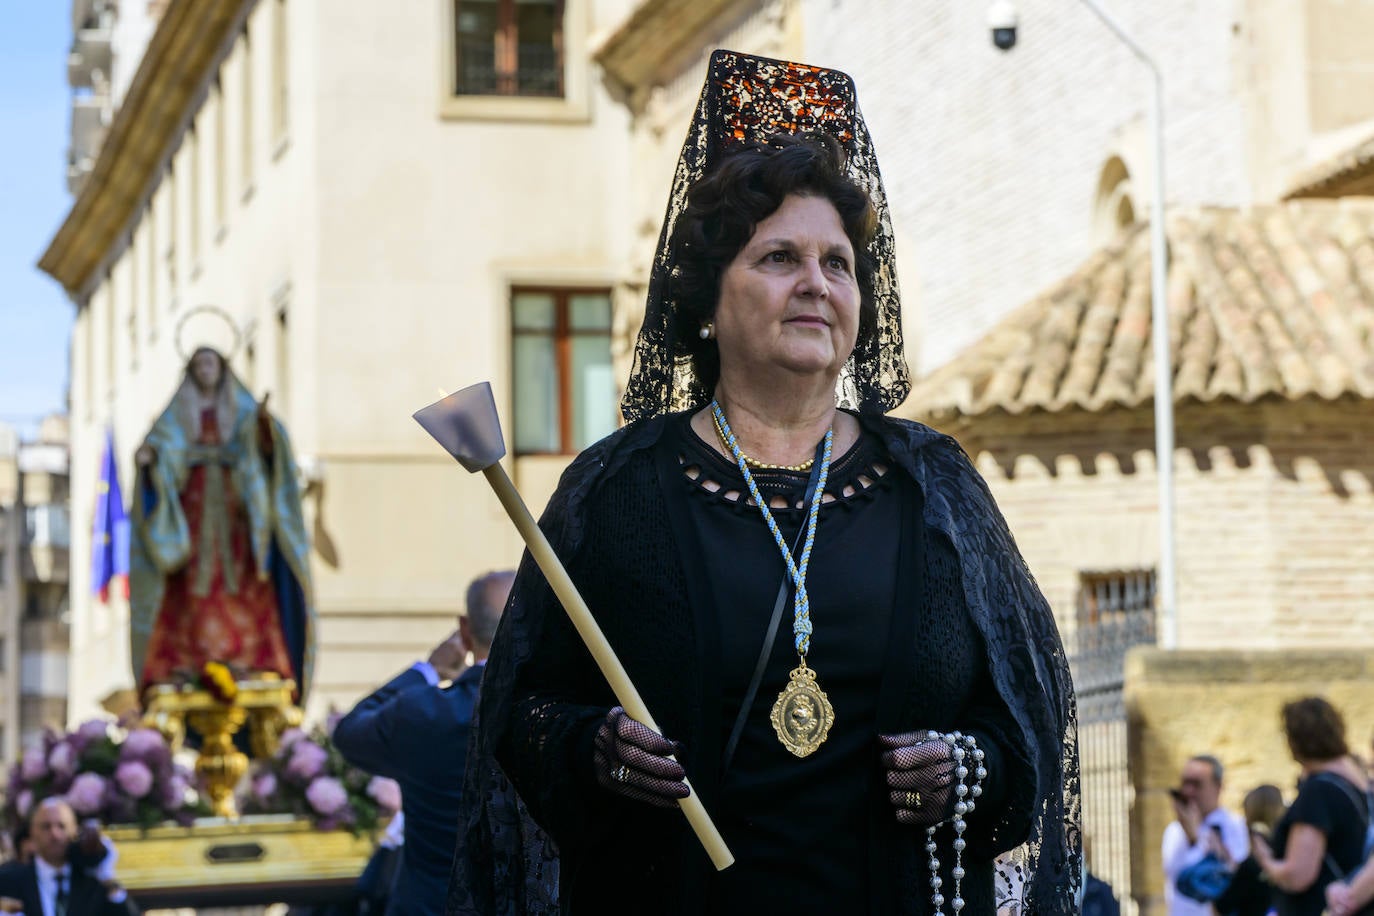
x=219, y=559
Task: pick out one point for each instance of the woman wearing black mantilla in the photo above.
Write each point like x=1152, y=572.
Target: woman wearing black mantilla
x=822, y=606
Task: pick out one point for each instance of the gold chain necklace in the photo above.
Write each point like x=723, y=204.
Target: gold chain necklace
x=754, y=462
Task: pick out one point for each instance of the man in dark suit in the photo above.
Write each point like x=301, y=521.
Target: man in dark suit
x=415, y=731
x=51, y=885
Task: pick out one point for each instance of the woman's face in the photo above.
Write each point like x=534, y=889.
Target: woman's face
x=206, y=369
x=789, y=299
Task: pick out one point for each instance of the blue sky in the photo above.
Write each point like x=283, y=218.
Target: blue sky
x=35, y=314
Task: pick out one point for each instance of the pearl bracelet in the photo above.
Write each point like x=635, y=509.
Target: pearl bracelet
x=963, y=750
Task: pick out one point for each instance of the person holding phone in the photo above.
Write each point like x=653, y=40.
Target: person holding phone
x=1201, y=825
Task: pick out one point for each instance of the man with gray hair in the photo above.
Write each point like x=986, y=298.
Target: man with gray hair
x=415, y=730
x=1201, y=826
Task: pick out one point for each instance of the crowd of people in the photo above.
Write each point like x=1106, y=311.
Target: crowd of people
x=1309, y=858
x=920, y=756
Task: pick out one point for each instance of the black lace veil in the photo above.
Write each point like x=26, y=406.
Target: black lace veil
x=745, y=99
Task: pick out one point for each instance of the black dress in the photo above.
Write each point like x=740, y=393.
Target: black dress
x=894, y=648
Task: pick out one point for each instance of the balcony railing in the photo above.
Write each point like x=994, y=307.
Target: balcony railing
x=90, y=59
x=90, y=117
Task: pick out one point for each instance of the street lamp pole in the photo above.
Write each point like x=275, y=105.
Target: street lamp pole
x=1166, y=584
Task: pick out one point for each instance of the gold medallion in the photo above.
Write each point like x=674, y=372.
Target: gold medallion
x=802, y=716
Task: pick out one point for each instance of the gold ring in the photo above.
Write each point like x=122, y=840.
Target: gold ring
x=913, y=800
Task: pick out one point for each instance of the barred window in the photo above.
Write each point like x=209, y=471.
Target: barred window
x=1115, y=607
x=508, y=47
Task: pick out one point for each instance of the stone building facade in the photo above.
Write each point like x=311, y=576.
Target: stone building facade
x=34, y=600
x=369, y=224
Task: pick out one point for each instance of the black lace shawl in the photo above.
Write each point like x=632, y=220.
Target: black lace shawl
x=505, y=864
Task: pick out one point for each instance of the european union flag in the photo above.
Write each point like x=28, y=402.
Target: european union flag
x=110, y=540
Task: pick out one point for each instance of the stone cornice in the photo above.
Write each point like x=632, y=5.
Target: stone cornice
x=1349, y=174
x=655, y=32
x=189, y=40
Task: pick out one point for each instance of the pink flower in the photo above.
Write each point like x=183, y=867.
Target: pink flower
x=264, y=786
x=87, y=794
x=62, y=759
x=93, y=730
x=23, y=803
x=142, y=743
x=34, y=764
x=327, y=795
x=386, y=793
x=307, y=761
x=288, y=740
x=134, y=778
x=174, y=791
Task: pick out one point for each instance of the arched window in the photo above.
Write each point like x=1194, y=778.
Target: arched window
x=1113, y=208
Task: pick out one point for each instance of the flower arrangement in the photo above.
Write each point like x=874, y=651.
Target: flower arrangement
x=308, y=777
x=119, y=776
x=218, y=679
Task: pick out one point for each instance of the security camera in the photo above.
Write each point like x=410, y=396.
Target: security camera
x=1002, y=22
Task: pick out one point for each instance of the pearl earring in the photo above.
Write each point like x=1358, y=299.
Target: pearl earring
x=708, y=330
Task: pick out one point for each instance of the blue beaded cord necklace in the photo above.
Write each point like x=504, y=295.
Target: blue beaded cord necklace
x=802, y=715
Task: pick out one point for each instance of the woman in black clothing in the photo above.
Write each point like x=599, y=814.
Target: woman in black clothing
x=822, y=605
x=1249, y=893
x=1321, y=838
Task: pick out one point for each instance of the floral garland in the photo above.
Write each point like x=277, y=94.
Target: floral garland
x=308, y=777
x=121, y=776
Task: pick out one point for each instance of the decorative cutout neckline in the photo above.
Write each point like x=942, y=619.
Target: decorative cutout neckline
x=856, y=475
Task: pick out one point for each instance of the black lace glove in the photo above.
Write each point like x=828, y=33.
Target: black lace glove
x=635, y=761
x=920, y=777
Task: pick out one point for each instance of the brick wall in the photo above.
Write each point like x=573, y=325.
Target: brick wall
x=1275, y=516
x=1323, y=535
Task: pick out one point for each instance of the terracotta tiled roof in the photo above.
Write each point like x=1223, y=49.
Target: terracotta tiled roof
x=1278, y=300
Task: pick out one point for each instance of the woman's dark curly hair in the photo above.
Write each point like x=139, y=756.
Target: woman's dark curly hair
x=1314, y=729
x=725, y=207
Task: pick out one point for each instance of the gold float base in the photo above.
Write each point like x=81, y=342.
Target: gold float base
x=265, y=858
x=264, y=703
